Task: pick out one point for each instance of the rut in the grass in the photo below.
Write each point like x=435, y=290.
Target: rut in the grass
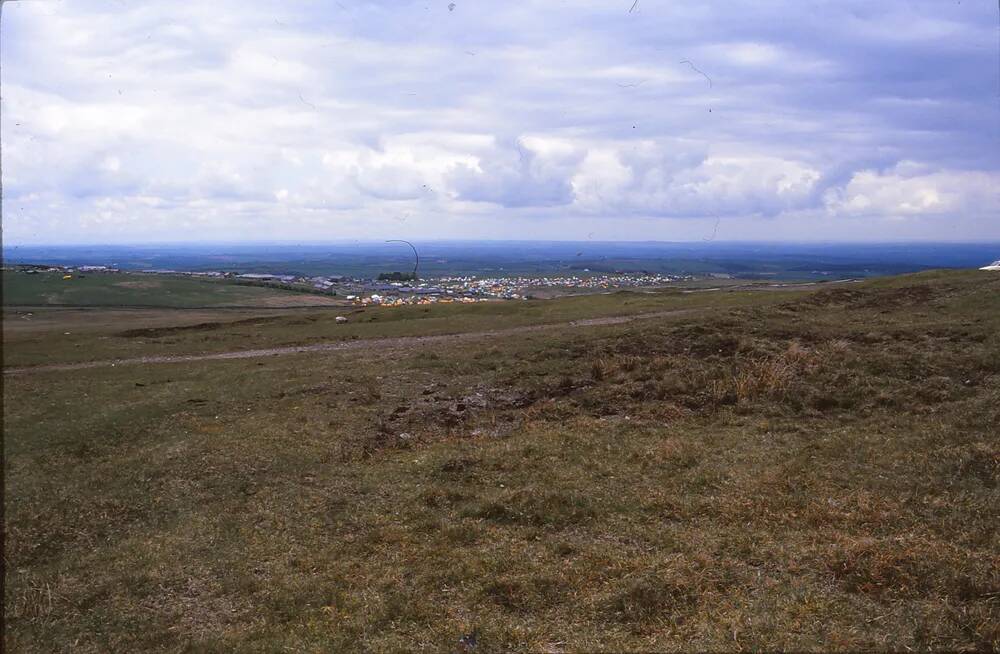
x=401, y=341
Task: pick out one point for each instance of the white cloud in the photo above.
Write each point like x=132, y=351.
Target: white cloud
x=167, y=120
x=910, y=189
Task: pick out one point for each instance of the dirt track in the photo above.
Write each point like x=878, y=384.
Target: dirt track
x=400, y=341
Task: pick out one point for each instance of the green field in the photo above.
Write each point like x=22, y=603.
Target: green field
x=771, y=470
x=144, y=290
x=38, y=336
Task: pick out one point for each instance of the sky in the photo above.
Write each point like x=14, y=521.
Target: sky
x=674, y=120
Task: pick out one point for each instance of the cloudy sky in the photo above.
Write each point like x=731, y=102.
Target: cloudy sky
x=629, y=120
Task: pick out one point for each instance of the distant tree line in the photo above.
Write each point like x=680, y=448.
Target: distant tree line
x=284, y=287
x=397, y=277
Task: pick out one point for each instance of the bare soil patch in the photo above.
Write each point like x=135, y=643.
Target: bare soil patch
x=145, y=284
x=292, y=300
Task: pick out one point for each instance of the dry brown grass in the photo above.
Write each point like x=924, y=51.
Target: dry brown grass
x=769, y=375
x=845, y=499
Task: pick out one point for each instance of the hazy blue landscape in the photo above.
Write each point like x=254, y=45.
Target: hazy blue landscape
x=502, y=258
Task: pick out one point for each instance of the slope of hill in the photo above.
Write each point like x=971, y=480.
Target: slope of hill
x=771, y=471
x=106, y=289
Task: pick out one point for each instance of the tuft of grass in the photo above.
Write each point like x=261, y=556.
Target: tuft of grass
x=600, y=369
x=550, y=509
x=765, y=376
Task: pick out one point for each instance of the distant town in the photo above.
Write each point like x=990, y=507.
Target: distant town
x=383, y=292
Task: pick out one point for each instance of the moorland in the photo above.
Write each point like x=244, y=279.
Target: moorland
x=812, y=468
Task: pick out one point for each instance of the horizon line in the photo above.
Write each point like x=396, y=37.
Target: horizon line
x=322, y=242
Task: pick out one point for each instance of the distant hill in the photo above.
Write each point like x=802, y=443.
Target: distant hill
x=797, y=261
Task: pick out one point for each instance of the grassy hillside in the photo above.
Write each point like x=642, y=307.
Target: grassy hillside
x=802, y=471
x=38, y=336
x=114, y=289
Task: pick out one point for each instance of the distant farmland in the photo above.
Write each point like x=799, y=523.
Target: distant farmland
x=103, y=289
